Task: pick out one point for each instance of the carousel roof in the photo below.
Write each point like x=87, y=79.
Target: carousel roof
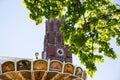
x=29, y=69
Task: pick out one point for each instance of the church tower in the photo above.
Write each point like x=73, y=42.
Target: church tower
x=54, y=48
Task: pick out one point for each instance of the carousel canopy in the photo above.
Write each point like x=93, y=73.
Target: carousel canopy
x=40, y=69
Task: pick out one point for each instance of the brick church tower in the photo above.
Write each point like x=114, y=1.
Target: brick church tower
x=54, y=48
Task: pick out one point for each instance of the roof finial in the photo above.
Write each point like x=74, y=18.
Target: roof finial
x=36, y=54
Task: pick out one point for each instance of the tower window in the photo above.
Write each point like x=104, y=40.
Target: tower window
x=59, y=38
x=58, y=25
x=51, y=26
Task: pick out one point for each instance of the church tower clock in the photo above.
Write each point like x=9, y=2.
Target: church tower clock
x=54, y=48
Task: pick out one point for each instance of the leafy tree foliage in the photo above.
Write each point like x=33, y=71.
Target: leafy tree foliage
x=88, y=28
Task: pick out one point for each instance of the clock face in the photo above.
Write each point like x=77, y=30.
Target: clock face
x=60, y=52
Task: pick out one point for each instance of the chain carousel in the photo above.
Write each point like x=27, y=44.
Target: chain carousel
x=56, y=62
x=39, y=69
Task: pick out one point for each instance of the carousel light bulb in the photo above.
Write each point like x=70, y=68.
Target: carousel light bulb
x=36, y=54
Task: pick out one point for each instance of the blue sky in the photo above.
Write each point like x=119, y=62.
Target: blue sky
x=20, y=37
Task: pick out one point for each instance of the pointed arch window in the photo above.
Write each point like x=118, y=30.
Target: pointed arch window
x=59, y=38
x=51, y=26
x=58, y=24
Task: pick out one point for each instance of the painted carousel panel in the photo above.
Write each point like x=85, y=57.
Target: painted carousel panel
x=69, y=68
x=78, y=71
x=23, y=65
x=8, y=66
x=56, y=66
x=40, y=65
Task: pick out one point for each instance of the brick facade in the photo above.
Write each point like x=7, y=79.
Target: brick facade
x=54, y=47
